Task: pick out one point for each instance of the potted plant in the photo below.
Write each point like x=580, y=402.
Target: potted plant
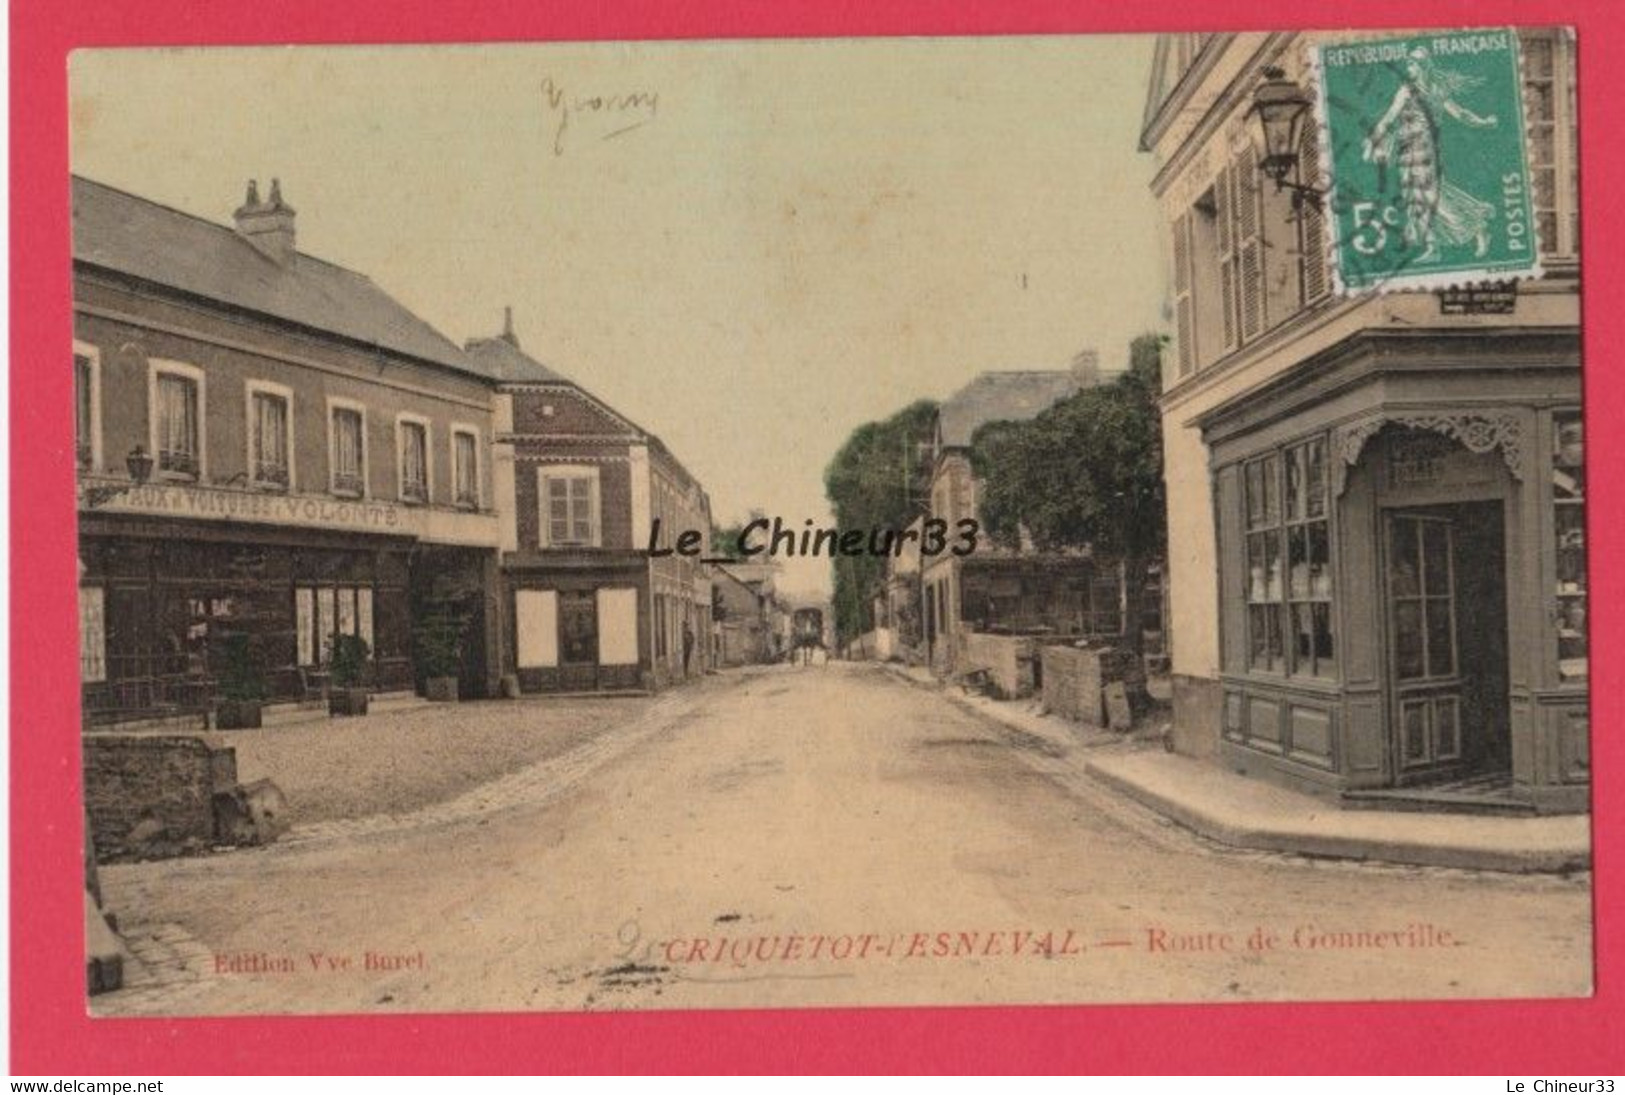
x=242, y=684
x=438, y=644
x=348, y=669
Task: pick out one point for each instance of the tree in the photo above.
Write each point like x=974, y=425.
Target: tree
x=725, y=539
x=1087, y=472
x=876, y=480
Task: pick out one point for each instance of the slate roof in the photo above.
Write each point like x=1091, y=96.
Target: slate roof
x=504, y=361
x=119, y=231
x=1012, y=396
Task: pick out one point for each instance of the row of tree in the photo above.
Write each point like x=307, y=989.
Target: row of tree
x=1087, y=472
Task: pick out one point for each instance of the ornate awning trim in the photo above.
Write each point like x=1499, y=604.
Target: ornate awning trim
x=1477, y=431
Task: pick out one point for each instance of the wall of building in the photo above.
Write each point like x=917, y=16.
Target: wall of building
x=130, y=327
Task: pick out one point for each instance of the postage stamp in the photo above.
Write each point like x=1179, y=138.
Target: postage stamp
x=1428, y=160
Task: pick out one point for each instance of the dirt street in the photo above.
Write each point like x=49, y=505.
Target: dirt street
x=817, y=836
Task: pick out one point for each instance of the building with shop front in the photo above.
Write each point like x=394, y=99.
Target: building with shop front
x=270, y=445
x=1375, y=502
x=580, y=487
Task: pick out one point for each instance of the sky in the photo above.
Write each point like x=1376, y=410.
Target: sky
x=748, y=248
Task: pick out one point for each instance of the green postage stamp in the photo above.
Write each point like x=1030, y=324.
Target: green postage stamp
x=1428, y=160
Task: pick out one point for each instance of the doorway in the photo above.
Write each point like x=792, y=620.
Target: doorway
x=578, y=640
x=1445, y=593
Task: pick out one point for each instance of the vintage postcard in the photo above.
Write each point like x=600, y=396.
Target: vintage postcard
x=1083, y=519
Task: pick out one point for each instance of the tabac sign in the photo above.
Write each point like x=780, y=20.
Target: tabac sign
x=1425, y=144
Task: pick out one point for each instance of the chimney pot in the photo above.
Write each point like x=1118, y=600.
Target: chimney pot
x=268, y=225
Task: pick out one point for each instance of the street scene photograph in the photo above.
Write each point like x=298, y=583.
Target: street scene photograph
x=1082, y=519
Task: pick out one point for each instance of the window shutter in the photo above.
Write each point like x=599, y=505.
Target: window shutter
x=1311, y=220
x=1224, y=196
x=1249, y=258
x=1182, y=294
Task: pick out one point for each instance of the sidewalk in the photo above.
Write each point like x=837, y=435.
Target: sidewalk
x=1248, y=813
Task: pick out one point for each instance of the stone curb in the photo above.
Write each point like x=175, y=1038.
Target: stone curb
x=1241, y=831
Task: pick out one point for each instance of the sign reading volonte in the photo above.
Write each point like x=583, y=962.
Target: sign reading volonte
x=1428, y=160
x=310, y=511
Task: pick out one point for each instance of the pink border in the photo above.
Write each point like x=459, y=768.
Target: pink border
x=50, y=1031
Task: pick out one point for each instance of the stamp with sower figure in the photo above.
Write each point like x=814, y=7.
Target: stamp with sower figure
x=1428, y=160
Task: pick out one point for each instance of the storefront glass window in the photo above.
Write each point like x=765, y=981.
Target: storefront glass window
x=1568, y=498
x=1288, y=560
x=319, y=612
x=92, y=636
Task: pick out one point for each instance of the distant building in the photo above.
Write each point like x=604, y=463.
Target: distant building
x=580, y=487
x=1002, y=589
x=742, y=626
x=268, y=445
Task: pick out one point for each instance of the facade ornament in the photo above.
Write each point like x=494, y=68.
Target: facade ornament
x=1476, y=431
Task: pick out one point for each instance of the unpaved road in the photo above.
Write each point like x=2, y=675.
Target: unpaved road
x=837, y=837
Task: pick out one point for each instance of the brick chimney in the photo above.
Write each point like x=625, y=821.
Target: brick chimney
x=507, y=328
x=268, y=224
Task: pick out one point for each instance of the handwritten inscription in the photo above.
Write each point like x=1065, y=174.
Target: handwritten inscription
x=609, y=116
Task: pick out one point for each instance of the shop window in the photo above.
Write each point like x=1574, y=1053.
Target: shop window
x=270, y=436
x=348, y=450
x=92, y=635
x=1568, y=498
x=177, y=419
x=320, y=612
x=1287, y=555
x=465, y=458
x=570, y=503
x=413, y=438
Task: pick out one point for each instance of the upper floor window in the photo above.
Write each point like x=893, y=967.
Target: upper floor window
x=87, y=405
x=270, y=435
x=177, y=395
x=347, y=448
x=465, y=460
x=570, y=513
x=412, y=437
x=1553, y=127
x=1246, y=258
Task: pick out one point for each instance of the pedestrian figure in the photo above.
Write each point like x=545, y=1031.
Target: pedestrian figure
x=688, y=645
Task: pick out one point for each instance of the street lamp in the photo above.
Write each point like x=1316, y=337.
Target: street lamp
x=139, y=465
x=1281, y=107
